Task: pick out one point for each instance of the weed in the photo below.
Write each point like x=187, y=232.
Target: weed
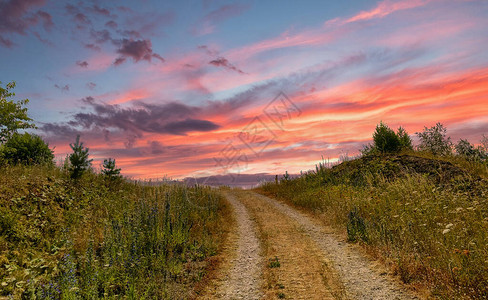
x=274, y=262
x=356, y=227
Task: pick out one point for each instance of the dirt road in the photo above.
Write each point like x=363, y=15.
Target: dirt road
x=281, y=253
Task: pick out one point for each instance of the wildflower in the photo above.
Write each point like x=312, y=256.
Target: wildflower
x=449, y=225
x=445, y=231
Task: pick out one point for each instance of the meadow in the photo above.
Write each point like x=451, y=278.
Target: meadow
x=424, y=215
x=101, y=238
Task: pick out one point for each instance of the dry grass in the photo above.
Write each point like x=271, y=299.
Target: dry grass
x=432, y=222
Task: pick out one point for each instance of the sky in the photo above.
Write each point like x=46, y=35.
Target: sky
x=181, y=89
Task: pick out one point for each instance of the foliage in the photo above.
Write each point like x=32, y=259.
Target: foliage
x=109, y=169
x=427, y=216
x=467, y=150
x=27, y=149
x=88, y=241
x=385, y=139
x=435, y=140
x=274, y=262
x=79, y=161
x=13, y=115
x=404, y=138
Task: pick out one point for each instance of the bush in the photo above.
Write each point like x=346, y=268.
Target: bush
x=434, y=140
x=78, y=160
x=468, y=151
x=27, y=149
x=385, y=139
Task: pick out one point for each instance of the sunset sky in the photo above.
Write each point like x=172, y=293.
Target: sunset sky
x=199, y=88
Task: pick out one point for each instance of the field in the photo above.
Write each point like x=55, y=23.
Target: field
x=97, y=238
x=427, y=217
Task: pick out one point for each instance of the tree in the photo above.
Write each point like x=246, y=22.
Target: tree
x=405, y=140
x=435, y=140
x=13, y=115
x=385, y=139
x=27, y=149
x=79, y=161
x=109, y=169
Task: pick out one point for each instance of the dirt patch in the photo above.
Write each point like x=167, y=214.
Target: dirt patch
x=362, y=278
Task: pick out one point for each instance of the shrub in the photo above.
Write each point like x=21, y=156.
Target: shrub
x=385, y=139
x=27, y=149
x=79, y=161
x=434, y=140
x=468, y=151
x=109, y=169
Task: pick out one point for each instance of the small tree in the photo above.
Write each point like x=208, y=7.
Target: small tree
x=466, y=149
x=405, y=140
x=109, y=169
x=13, y=115
x=79, y=161
x=385, y=139
x=435, y=140
x=27, y=149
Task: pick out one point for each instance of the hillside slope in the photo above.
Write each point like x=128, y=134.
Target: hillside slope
x=427, y=217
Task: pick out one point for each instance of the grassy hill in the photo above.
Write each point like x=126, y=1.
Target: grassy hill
x=426, y=216
x=96, y=238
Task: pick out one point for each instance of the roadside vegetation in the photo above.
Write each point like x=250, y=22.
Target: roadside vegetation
x=71, y=233
x=423, y=209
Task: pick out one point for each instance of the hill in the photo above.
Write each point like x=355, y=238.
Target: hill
x=426, y=216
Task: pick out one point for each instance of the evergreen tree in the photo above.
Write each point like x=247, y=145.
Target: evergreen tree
x=385, y=139
x=79, y=161
x=109, y=169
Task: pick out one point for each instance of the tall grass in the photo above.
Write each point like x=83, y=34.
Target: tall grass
x=96, y=239
x=434, y=229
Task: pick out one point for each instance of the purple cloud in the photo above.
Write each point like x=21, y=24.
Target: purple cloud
x=64, y=88
x=137, y=50
x=16, y=18
x=83, y=64
x=170, y=118
x=223, y=62
x=91, y=85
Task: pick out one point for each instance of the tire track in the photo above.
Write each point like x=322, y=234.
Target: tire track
x=243, y=280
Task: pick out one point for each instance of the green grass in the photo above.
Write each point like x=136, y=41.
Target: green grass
x=427, y=216
x=96, y=239
x=274, y=262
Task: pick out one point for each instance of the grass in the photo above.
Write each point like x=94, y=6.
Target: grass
x=274, y=262
x=427, y=216
x=91, y=239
